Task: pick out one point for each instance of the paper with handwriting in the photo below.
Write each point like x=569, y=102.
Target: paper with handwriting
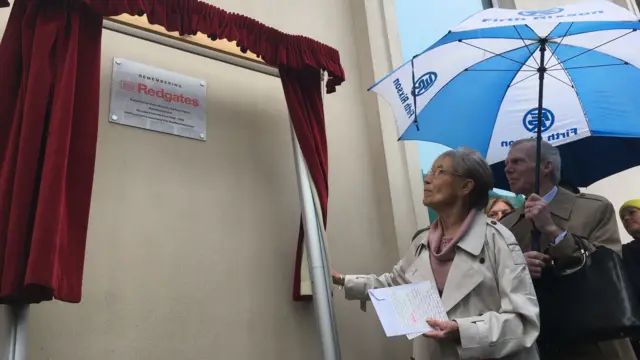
x=404, y=309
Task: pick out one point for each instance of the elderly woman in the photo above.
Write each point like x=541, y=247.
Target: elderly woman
x=630, y=217
x=476, y=265
x=498, y=208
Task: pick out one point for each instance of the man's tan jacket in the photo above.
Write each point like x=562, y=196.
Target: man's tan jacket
x=589, y=217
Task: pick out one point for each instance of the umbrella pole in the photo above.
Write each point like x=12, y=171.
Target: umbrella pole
x=413, y=94
x=535, y=236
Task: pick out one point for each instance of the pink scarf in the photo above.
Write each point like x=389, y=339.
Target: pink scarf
x=442, y=249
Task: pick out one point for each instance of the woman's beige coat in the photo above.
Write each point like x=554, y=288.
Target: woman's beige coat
x=488, y=292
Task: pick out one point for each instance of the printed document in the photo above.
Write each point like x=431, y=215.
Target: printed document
x=404, y=309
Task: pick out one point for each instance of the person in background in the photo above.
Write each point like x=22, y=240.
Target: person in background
x=558, y=214
x=476, y=265
x=498, y=208
x=630, y=216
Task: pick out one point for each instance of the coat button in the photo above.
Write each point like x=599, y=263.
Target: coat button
x=481, y=260
x=493, y=222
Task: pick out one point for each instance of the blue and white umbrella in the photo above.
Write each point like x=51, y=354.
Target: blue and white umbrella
x=480, y=86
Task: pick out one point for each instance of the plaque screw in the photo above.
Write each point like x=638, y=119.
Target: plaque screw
x=118, y=62
x=114, y=117
x=202, y=136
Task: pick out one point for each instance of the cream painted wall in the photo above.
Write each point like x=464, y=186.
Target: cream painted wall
x=191, y=244
x=618, y=189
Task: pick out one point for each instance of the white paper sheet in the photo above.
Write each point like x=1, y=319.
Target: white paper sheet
x=404, y=309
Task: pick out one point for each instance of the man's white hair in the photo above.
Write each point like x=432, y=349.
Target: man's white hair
x=547, y=153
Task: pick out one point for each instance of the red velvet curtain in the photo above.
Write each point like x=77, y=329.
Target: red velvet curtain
x=49, y=95
x=304, y=99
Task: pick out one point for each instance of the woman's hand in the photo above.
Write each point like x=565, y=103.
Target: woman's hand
x=444, y=330
x=337, y=278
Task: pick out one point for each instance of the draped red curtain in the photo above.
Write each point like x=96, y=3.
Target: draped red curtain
x=304, y=99
x=49, y=96
x=50, y=67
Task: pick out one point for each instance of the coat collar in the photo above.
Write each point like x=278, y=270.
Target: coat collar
x=562, y=203
x=463, y=276
x=473, y=240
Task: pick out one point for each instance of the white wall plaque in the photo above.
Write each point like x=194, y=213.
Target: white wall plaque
x=155, y=99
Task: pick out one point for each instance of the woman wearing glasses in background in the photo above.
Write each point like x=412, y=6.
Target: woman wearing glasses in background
x=475, y=263
x=498, y=208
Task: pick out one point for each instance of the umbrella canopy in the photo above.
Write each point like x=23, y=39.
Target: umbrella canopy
x=480, y=86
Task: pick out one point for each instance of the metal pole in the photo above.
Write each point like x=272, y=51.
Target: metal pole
x=21, y=322
x=316, y=254
x=8, y=331
x=14, y=333
x=325, y=256
x=633, y=7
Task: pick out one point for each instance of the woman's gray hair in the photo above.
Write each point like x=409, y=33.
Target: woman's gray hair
x=470, y=164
